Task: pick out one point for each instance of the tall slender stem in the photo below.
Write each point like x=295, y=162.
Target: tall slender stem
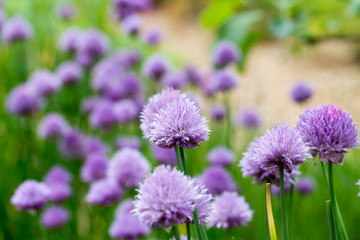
x=188, y=232
x=330, y=220
x=282, y=202
x=270, y=216
x=291, y=200
x=42, y=230
x=175, y=232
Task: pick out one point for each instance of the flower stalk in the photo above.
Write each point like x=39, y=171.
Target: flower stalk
x=270, y=217
x=283, y=207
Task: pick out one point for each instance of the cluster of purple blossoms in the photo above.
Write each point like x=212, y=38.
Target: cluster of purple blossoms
x=94, y=168
x=68, y=39
x=66, y=10
x=23, y=101
x=225, y=53
x=16, y=29
x=126, y=8
x=194, y=75
x=168, y=197
x=164, y=156
x=44, y=83
x=52, y=126
x=128, y=142
x=153, y=36
x=230, y=211
x=218, y=112
x=131, y=25
x=305, y=185
x=104, y=193
x=223, y=80
x=217, y=180
x=58, y=180
x=249, y=118
x=55, y=217
x=300, y=92
x=72, y=144
x=156, y=67
x=94, y=145
x=221, y=156
x=70, y=73
x=328, y=131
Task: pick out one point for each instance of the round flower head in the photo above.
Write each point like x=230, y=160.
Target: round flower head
x=221, y=156
x=69, y=73
x=218, y=112
x=103, y=115
x=328, y=131
x=93, y=145
x=179, y=123
x=131, y=25
x=128, y=57
x=223, y=80
x=164, y=156
x=89, y=104
x=104, y=193
x=59, y=192
x=282, y=147
x=58, y=175
x=16, y=29
x=305, y=185
x=71, y=145
x=193, y=75
x=94, y=168
x=66, y=10
x=248, y=118
x=156, y=66
x=55, y=217
x=126, y=224
x=128, y=142
x=23, y=101
x=53, y=125
x=125, y=110
x=175, y=80
x=44, y=83
x=68, y=39
x=165, y=198
x=230, y=211
x=128, y=167
x=217, y=180
x=156, y=102
x=125, y=8
x=224, y=53
x=30, y=196
x=300, y=92
x=153, y=36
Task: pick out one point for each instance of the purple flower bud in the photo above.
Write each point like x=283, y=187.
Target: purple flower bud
x=69, y=73
x=153, y=36
x=128, y=142
x=131, y=25
x=104, y=193
x=71, y=145
x=94, y=168
x=125, y=110
x=16, y=29
x=225, y=52
x=23, y=101
x=217, y=180
x=103, y=116
x=44, y=83
x=66, y=10
x=59, y=192
x=223, y=80
x=69, y=38
x=89, y=104
x=55, y=217
x=57, y=175
x=52, y=126
x=300, y=92
x=156, y=66
x=248, y=118
x=127, y=57
x=176, y=80
x=218, y=112
x=221, y=156
x=164, y=156
x=125, y=8
x=305, y=185
x=193, y=75
x=93, y=145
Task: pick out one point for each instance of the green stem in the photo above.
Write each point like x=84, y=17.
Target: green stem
x=291, y=200
x=42, y=230
x=330, y=220
x=188, y=232
x=175, y=232
x=282, y=202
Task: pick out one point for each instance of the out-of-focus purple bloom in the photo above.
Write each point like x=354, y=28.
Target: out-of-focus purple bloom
x=224, y=53
x=128, y=167
x=125, y=8
x=217, y=180
x=195, y=98
x=193, y=75
x=71, y=145
x=128, y=142
x=221, y=156
x=59, y=192
x=69, y=73
x=52, y=126
x=30, y=196
x=153, y=36
x=155, y=103
x=165, y=198
x=300, y=92
x=127, y=57
x=44, y=83
x=176, y=80
x=104, y=193
x=66, y=10
x=248, y=118
x=69, y=38
x=125, y=110
x=126, y=224
x=164, y=156
x=131, y=24
x=23, y=101
x=57, y=175
x=103, y=115
x=16, y=29
x=93, y=145
x=230, y=211
x=55, y=217
x=328, y=131
x=91, y=45
x=223, y=80
x=89, y=104
x=218, y=112
x=94, y=168
x=179, y=123
x=305, y=185
x=156, y=66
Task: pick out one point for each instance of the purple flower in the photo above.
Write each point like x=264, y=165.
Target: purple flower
x=94, y=168
x=165, y=198
x=224, y=53
x=89, y=104
x=44, y=83
x=128, y=57
x=156, y=102
x=153, y=36
x=125, y=110
x=125, y=8
x=59, y=192
x=175, y=80
x=68, y=39
x=223, y=80
x=305, y=185
x=300, y=92
x=103, y=115
x=203, y=205
x=230, y=211
x=328, y=131
x=131, y=25
x=195, y=98
x=104, y=193
x=23, y=101
x=55, y=217
x=128, y=167
x=164, y=156
x=52, y=126
x=193, y=75
x=30, y=196
x=217, y=180
x=221, y=156
x=16, y=29
x=66, y=10
x=218, y=112
x=71, y=145
x=249, y=118
x=126, y=224
x=179, y=123
x=57, y=175
x=93, y=145
x=69, y=73
x=156, y=66
x=128, y=142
